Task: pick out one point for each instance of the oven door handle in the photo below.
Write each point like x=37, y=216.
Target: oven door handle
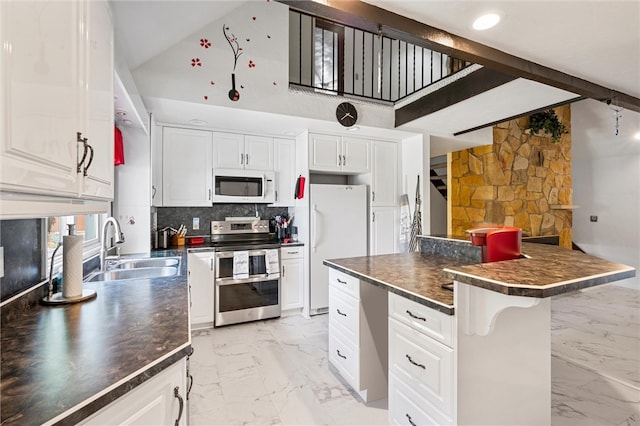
x=261, y=278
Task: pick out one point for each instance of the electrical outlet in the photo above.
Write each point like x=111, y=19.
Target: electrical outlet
x=593, y=218
x=196, y=223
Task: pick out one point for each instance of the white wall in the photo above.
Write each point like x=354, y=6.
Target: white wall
x=415, y=162
x=438, y=212
x=606, y=184
x=132, y=198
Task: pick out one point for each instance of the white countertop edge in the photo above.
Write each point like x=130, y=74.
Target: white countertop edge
x=115, y=385
x=540, y=287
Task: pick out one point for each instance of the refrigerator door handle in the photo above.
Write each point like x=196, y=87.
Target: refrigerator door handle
x=315, y=227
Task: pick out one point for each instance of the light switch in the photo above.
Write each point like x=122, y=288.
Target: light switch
x=196, y=223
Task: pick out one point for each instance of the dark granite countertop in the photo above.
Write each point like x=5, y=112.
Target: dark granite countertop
x=61, y=364
x=416, y=276
x=547, y=271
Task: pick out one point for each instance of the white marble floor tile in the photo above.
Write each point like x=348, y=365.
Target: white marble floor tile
x=276, y=371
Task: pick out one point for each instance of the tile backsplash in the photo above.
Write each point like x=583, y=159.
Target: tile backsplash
x=24, y=261
x=175, y=216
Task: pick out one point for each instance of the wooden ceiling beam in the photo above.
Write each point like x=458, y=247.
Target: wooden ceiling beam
x=368, y=17
x=457, y=91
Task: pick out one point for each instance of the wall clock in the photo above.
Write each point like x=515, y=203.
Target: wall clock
x=346, y=114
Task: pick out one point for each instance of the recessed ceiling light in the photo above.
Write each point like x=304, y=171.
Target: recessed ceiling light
x=637, y=136
x=486, y=21
x=197, y=122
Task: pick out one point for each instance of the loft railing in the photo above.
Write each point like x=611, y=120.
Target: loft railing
x=329, y=57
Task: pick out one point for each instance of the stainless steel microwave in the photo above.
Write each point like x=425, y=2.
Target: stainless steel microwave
x=243, y=186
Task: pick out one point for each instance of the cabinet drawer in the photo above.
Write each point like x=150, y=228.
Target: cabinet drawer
x=422, y=318
x=344, y=357
x=291, y=252
x=425, y=365
x=407, y=409
x=344, y=282
x=344, y=311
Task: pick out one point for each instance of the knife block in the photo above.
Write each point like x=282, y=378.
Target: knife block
x=177, y=240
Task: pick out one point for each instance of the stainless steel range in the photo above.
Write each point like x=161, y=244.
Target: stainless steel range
x=247, y=271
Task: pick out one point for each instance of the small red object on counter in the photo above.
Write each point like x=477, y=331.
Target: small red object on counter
x=193, y=241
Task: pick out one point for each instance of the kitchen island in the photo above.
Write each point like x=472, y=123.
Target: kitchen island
x=62, y=364
x=477, y=355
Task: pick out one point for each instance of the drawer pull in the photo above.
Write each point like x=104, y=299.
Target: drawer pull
x=176, y=394
x=410, y=420
x=415, y=316
x=339, y=354
x=341, y=313
x=415, y=363
x=340, y=281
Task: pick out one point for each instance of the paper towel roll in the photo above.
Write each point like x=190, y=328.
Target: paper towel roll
x=72, y=266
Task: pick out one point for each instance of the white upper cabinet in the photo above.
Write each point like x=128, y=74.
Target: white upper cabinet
x=233, y=151
x=285, y=168
x=186, y=167
x=355, y=155
x=55, y=82
x=98, y=111
x=384, y=171
x=339, y=154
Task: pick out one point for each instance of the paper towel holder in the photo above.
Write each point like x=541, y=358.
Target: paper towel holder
x=57, y=298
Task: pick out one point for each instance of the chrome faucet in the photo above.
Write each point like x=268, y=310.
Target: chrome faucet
x=119, y=238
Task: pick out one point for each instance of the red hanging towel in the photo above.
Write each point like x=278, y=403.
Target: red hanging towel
x=118, y=147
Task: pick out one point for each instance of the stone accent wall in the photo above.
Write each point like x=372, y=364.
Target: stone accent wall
x=520, y=180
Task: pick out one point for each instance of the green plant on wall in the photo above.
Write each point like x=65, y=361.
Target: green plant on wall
x=547, y=121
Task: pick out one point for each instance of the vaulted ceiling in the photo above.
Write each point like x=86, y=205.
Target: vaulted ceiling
x=586, y=41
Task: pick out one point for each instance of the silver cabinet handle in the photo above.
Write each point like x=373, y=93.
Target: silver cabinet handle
x=344, y=160
x=341, y=313
x=190, y=297
x=190, y=377
x=211, y=263
x=374, y=216
x=209, y=194
x=84, y=172
x=410, y=420
x=246, y=159
x=340, y=281
x=276, y=195
x=283, y=271
x=83, y=141
x=415, y=363
x=176, y=394
x=241, y=158
x=415, y=316
x=373, y=195
x=153, y=191
x=339, y=160
x=340, y=355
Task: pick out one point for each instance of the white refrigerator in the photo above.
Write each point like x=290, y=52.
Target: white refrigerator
x=338, y=225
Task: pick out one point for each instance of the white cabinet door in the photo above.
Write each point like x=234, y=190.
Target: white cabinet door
x=384, y=171
x=258, y=153
x=355, y=155
x=156, y=163
x=292, y=277
x=154, y=402
x=285, y=168
x=40, y=95
x=228, y=151
x=384, y=230
x=98, y=110
x=201, y=281
x=186, y=167
x=325, y=152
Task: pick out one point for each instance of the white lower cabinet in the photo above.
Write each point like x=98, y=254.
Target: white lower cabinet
x=201, y=278
x=160, y=400
x=291, y=277
x=421, y=364
x=358, y=334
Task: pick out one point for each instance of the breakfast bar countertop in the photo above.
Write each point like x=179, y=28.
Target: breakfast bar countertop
x=546, y=271
x=61, y=364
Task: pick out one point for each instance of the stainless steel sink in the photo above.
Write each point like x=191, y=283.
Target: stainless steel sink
x=133, y=273
x=150, y=262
